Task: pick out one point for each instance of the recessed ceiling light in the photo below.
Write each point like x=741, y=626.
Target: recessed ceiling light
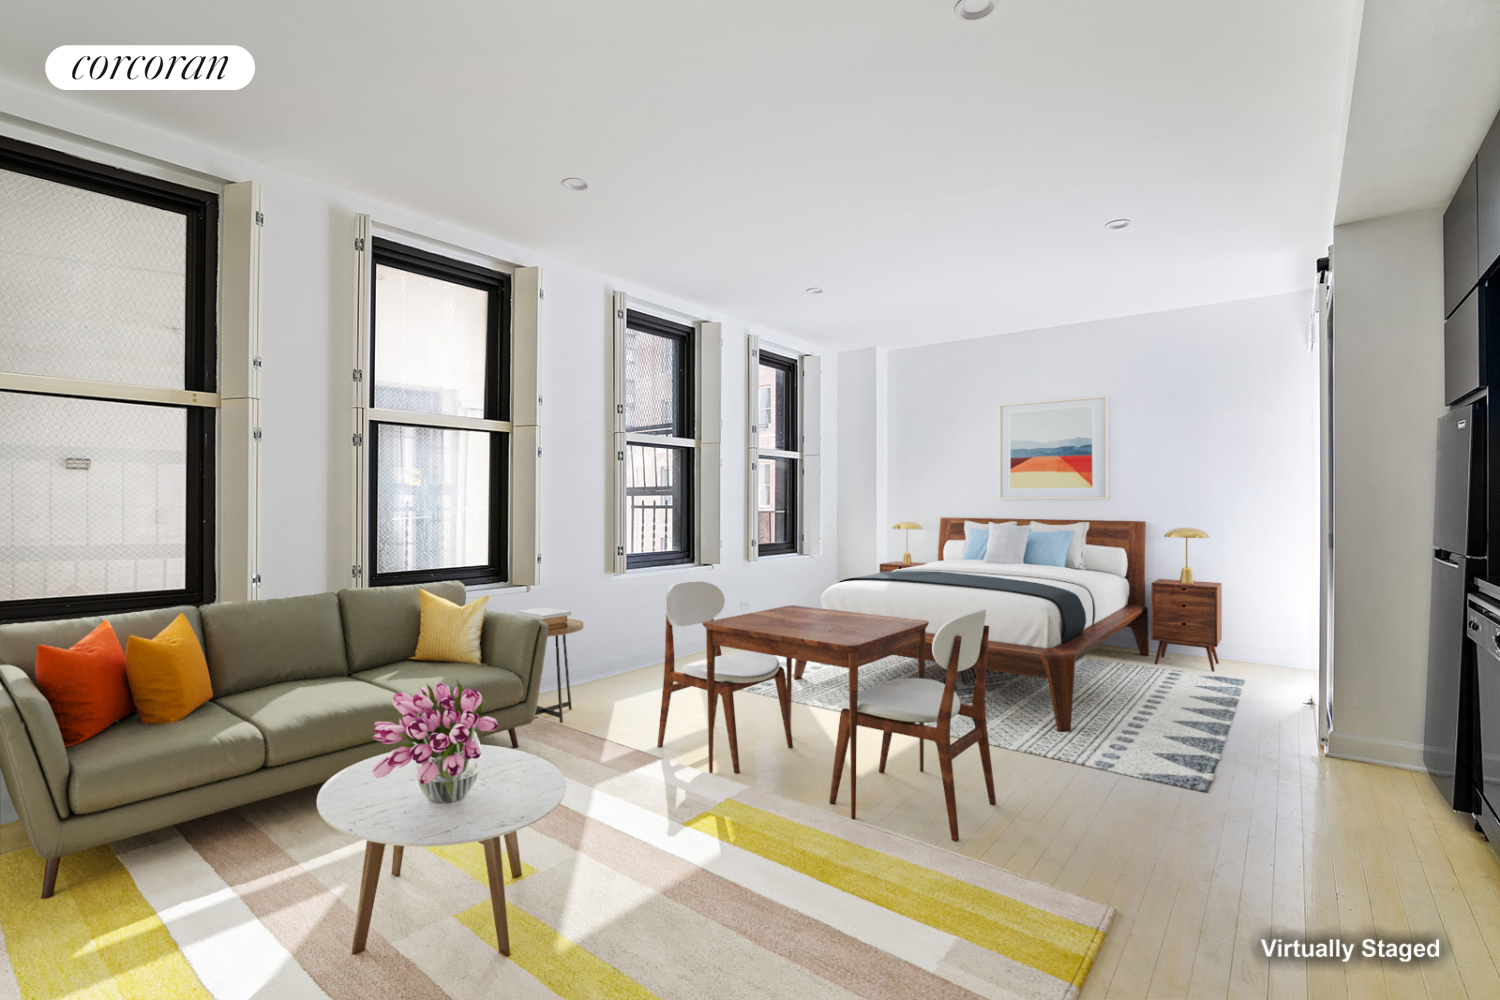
x=815, y=290
x=1117, y=224
x=575, y=183
x=973, y=10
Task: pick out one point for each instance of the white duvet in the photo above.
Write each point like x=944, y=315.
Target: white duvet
x=1019, y=619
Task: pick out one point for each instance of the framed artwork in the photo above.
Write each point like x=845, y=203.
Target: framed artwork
x=1055, y=450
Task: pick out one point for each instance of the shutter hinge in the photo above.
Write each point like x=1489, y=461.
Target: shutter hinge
x=619, y=314
x=359, y=242
x=255, y=580
x=359, y=439
x=620, y=408
x=356, y=571
x=619, y=456
x=255, y=362
x=539, y=559
x=539, y=401
x=260, y=218
x=359, y=374
x=619, y=550
x=255, y=434
x=539, y=453
x=541, y=293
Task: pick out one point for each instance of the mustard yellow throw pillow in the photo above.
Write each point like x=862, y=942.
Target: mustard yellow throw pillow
x=168, y=675
x=450, y=633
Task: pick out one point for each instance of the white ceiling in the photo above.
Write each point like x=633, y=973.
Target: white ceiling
x=940, y=179
x=1426, y=87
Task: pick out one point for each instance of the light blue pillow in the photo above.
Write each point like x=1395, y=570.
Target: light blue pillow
x=1048, y=548
x=977, y=542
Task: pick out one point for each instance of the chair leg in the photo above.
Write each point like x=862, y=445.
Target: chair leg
x=734, y=743
x=885, y=748
x=49, y=877
x=921, y=755
x=945, y=762
x=784, y=695
x=713, y=707
x=840, y=749
x=981, y=723
x=989, y=774
x=514, y=741
x=666, y=703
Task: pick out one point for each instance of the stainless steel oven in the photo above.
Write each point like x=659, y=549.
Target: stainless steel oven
x=1483, y=630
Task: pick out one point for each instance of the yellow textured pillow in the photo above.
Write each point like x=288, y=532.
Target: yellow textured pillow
x=168, y=675
x=450, y=633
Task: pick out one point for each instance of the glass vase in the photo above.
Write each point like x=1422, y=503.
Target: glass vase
x=445, y=789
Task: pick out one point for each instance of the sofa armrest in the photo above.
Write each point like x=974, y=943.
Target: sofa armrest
x=517, y=643
x=32, y=756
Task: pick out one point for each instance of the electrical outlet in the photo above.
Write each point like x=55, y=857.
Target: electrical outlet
x=744, y=605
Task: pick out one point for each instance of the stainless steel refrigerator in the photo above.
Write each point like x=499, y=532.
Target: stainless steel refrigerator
x=1458, y=542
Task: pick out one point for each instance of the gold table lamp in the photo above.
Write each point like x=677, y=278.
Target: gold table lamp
x=1185, y=534
x=908, y=527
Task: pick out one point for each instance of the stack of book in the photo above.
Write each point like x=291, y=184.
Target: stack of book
x=554, y=617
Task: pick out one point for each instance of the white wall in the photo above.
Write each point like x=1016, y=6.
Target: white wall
x=1388, y=394
x=1212, y=424
x=862, y=469
x=306, y=318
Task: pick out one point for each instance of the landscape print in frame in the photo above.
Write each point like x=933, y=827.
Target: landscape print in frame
x=1055, y=450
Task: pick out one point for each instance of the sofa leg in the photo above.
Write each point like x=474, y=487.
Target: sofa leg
x=513, y=741
x=49, y=878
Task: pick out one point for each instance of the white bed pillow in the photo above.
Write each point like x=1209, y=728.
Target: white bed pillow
x=1007, y=544
x=1080, y=532
x=971, y=528
x=1106, y=559
x=954, y=549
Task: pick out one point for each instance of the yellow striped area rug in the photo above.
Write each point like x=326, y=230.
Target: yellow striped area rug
x=650, y=880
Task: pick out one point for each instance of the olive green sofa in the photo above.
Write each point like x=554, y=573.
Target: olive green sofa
x=298, y=685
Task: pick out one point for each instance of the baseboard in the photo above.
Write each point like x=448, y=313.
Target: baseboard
x=1375, y=750
x=12, y=837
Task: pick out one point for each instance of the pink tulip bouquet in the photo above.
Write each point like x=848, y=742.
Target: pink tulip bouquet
x=439, y=729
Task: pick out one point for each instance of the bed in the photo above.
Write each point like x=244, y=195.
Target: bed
x=1040, y=636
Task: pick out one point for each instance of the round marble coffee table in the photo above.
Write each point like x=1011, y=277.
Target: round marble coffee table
x=512, y=790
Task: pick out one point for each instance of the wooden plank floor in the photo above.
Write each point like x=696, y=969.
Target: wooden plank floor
x=1287, y=843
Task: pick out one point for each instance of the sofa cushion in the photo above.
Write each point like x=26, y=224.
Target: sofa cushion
x=381, y=624
x=251, y=644
x=301, y=719
x=499, y=686
x=132, y=760
x=18, y=642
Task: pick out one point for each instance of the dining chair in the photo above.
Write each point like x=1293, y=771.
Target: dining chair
x=722, y=674
x=924, y=708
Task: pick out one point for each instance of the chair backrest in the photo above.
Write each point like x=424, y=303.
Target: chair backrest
x=971, y=629
x=695, y=603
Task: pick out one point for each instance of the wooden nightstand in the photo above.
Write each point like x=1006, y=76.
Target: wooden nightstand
x=886, y=567
x=1188, y=614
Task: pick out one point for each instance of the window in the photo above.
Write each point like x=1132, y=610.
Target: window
x=439, y=432
x=659, y=442
x=107, y=388
x=778, y=460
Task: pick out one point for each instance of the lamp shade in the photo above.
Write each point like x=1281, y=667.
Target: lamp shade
x=907, y=526
x=1186, y=533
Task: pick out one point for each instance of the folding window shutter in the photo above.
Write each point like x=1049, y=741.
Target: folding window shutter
x=363, y=256
x=616, y=560
x=239, y=388
x=709, y=424
x=526, y=440
x=810, y=379
x=752, y=442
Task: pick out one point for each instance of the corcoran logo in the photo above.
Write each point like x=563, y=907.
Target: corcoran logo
x=150, y=67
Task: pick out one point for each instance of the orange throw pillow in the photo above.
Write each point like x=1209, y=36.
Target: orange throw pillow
x=85, y=685
x=168, y=674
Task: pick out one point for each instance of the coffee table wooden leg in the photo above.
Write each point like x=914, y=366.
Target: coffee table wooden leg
x=497, y=893
x=513, y=849
x=374, y=854
x=396, y=860
x=797, y=671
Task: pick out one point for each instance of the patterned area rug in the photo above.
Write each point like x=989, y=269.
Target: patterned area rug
x=1144, y=721
x=650, y=880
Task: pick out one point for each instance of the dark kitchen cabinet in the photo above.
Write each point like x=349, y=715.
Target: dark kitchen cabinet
x=1461, y=352
x=1461, y=237
x=1488, y=200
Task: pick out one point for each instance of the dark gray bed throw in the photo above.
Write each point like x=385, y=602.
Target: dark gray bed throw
x=1068, y=604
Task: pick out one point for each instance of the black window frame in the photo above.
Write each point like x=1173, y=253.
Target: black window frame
x=786, y=411
x=200, y=211
x=497, y=393
x=685, y=389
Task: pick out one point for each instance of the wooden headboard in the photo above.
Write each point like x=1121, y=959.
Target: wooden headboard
x=1128, y=535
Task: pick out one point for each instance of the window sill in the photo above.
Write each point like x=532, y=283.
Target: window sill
x=646, y=570
x=784, y=555
x=485, y=589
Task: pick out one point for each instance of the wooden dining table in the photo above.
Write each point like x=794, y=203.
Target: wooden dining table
x=839, y=638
